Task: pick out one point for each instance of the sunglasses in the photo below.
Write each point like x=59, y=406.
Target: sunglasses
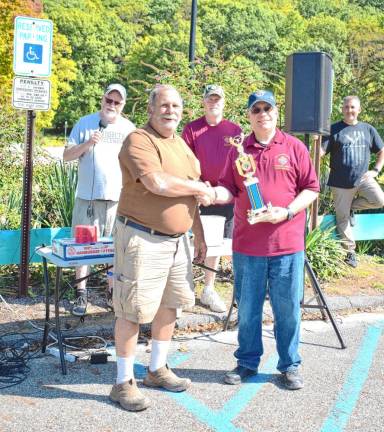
x=258, y=110
x=110, y=101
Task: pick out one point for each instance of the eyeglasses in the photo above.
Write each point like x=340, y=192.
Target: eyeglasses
x=112, y=101
x=258, y=110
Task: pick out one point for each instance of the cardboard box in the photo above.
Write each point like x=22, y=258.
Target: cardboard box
x=68, y=249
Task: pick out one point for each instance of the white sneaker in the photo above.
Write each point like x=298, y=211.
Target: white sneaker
x=213, y=300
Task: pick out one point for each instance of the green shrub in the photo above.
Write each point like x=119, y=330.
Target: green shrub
x=53, y=190
x=325, y=254
x=56, y=187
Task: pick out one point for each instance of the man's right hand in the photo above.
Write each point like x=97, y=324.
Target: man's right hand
x=207, y=196
x=95, y=138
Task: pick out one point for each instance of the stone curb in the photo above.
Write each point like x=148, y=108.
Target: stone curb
x=197, y=321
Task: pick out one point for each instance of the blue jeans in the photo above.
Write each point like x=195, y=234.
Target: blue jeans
x=283, y=277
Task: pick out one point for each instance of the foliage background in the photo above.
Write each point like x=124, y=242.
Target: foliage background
x=240, y=44
x=141, y=43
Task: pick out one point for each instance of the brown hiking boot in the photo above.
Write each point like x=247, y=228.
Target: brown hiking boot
x=165, y=378
x=129, y=396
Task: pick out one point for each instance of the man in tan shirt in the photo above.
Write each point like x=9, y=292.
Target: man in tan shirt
x=153, y=266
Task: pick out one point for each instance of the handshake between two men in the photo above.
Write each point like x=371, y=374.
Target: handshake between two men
x=210, y=195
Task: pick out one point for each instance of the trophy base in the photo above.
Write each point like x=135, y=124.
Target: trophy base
x=252, y=214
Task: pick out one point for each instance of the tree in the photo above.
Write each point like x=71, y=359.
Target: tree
x=63, y=67
x=240, y=28
x=310, y=8
x=366, y=53
x=9, y=10
x=238, y=75
x=99, y=40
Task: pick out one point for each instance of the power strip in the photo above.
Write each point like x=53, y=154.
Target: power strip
x=56, y=353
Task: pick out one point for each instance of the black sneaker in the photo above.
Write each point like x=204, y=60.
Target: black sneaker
x=79, y=306
x=352, y=219
x=239, y=374
x=351, y=259
x=292, y=380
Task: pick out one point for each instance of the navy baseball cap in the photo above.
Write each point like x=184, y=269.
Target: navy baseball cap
x=261, y=96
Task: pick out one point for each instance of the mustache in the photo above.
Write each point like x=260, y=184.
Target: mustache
x=169, y=117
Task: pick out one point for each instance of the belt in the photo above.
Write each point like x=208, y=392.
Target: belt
x=140, y=227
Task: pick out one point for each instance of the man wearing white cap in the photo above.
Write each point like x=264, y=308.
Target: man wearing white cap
x=206, y=136
x=95, y=141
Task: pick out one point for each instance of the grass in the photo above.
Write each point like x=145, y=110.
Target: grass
x=51, y=140
x=367, y=279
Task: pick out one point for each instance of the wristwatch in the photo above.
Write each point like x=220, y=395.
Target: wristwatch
x=376, y=170
x=290, y=214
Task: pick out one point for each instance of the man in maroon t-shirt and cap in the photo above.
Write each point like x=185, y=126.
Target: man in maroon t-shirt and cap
x=207, y=137
x=269, y=253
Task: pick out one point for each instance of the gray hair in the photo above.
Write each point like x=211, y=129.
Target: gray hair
x=351, y=97
x=159, y=88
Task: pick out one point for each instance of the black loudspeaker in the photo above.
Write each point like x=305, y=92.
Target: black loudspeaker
x=308, y=93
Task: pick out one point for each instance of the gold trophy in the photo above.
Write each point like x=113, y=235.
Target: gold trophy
x=246, y=168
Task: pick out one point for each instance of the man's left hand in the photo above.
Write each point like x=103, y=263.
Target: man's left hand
x=369, y=174
x=273, y=215
x=200, y=250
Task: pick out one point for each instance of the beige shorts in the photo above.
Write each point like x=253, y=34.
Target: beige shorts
x=150, y=271
x=104, y=214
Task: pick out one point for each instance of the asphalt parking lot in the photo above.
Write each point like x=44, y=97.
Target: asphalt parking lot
x=343, y=388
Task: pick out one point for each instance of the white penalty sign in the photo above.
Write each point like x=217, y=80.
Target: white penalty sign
x=31, y=94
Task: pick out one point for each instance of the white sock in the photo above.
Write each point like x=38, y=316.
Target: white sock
x=124, y=368
x=209, y=288
x=159, y=354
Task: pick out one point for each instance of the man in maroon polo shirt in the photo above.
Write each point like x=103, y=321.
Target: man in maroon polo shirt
x=269, y=254
x=207, y=137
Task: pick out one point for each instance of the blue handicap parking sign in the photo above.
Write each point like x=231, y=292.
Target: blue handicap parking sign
x=33, y=53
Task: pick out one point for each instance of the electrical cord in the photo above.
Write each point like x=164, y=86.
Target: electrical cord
x=8, y=365
x=90, y=208
x=14, y=358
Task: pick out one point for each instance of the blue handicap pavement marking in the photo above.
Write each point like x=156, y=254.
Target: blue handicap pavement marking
x=349, y=395
x=33, y=53
x=220, y=420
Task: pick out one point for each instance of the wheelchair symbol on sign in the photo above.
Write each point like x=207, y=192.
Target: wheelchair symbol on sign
x=33, y=53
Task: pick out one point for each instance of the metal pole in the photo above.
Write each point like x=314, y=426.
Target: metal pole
x=65, y=132
x=26, y=205
x=316, y=163
x=192, y=35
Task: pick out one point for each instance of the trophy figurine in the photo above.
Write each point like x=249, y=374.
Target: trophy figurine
x=246, y=168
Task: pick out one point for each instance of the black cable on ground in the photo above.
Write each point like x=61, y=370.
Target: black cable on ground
x=14, y=357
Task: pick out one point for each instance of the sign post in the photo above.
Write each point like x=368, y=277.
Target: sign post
x=32, y=57
x=26, y=204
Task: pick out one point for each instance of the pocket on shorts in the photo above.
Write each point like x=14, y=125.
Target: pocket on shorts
x=134, y=302
x=124, y=295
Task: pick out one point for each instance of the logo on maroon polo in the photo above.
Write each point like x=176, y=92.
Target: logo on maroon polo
x=282, y=162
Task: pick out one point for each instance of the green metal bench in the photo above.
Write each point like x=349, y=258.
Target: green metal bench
x=10, y=241
x=368, y=226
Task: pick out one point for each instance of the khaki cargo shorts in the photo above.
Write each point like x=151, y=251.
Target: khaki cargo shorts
x=150, y=271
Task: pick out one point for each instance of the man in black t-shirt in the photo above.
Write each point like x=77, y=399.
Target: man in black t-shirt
x=353, y=185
